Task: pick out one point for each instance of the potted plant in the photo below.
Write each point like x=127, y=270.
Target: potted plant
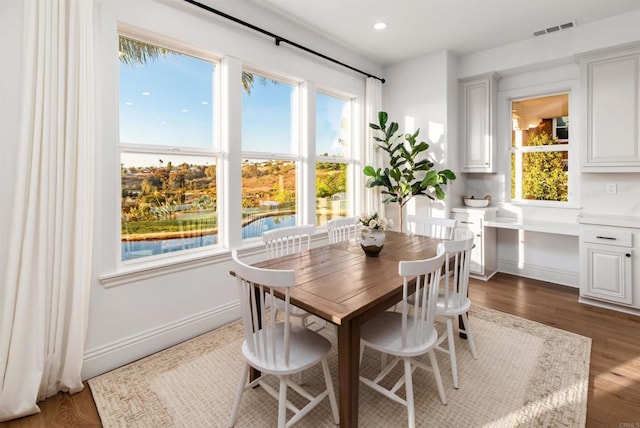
x=409, y=172
x=372, y=233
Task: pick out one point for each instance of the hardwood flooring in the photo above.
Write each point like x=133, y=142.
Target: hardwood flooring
x=614, y=378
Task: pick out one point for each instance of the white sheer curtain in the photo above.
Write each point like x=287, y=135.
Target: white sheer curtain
x=44, y=294
x=373, y=157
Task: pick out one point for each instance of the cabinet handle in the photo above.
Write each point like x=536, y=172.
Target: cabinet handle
x=628, y=255
x=606, y=237
x=466, y=222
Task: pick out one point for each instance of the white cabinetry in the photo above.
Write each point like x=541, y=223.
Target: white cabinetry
x=484, y=253
x=479, y=113
x=611, y=108
x=608, y=252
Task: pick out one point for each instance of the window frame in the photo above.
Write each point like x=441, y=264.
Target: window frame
x=214, y=154
x=296, y=143
x=350, y=159
x=571, y=88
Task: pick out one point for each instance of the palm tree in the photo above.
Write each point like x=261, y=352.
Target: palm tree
x=133, y=52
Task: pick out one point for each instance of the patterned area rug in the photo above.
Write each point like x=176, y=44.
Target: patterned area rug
x=527, y=374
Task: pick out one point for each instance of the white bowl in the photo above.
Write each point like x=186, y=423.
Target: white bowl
x=476, y=203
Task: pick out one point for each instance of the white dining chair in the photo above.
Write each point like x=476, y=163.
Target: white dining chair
x=284, y=241
x=453, y=301
x=404, y=335
x=277, y=348
x=431, y=226
x=342, y=229
x=287, y=240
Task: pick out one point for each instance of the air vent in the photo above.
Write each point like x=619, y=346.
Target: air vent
x=555, y=28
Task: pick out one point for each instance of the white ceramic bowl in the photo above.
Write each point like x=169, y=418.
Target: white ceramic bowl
x=476, y=203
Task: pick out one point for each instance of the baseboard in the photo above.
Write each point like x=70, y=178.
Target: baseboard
x=611, y=306
x=541, y=273
x=116, y=354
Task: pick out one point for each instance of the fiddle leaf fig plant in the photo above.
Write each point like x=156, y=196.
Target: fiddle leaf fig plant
x=409, y=172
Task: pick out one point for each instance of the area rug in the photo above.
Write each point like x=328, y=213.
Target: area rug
x=527, y=374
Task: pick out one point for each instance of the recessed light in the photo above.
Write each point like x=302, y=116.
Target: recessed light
x=380, y=25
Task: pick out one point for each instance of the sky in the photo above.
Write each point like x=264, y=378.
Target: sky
x=169, y=102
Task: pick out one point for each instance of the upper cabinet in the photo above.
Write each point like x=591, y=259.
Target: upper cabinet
x=479, y=113
x=611, y=108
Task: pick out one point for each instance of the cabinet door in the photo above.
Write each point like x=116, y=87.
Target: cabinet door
x=478, y=115
x=612, y=114
x=474, y=224
x=608, y=273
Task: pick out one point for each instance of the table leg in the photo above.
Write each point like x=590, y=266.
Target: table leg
x=461, y=327
x=348, y=372
x=255, y=373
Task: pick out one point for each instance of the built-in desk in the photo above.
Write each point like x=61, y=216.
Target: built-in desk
x=558, y=228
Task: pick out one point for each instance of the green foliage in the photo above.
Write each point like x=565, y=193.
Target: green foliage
x=410, y=171
x=544, y=175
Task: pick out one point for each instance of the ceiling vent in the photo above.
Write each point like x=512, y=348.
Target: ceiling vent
x=555, y=28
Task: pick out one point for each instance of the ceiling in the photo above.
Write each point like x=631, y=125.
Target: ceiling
x=419, y=27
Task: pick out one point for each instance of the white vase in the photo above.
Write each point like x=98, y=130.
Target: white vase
x=372, y=241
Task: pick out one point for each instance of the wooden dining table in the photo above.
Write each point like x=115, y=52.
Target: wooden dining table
x=341, y=285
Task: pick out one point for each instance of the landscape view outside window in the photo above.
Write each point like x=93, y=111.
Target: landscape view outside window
x=333, y=143
x=269, y=122
x=168, y=201
x=169, y=152
x=540, y=148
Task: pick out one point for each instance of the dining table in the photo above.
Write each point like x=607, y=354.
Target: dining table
x=340, y=284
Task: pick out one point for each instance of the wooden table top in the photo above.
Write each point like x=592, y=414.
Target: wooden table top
x=338, y=282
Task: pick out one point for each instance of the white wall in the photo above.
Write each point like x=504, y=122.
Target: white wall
x=527, y=67
x=419, y=88
x=422, y=93
x=137, y=312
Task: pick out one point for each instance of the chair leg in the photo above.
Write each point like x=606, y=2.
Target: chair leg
x=332, y=393
x=282, y=403
x=436, y=372
x=240, y=391
x=467, y=329
x=452, y=352
x=408, y=385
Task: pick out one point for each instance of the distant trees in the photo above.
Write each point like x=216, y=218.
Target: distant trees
x=543, y=173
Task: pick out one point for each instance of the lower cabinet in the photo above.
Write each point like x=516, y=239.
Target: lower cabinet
x=484, y=252
x=610, y=265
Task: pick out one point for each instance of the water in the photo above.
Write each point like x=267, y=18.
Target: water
x=136, y=249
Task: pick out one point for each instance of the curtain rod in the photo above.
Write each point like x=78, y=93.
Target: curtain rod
x=278, y=39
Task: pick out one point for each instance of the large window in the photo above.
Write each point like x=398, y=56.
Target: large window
x=167, y=150
x=270, y=148
x=172, y=164
x=540, y=147
x=334, y=157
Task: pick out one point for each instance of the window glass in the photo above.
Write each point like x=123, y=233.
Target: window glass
x=332, y=199
x=268, y=195
x=167, y=162
x=268, y=116
x=333, y=126
x=166, y=97
x=540, y=148
x=168, y=204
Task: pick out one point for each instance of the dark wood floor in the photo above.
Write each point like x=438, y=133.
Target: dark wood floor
x=614, y=378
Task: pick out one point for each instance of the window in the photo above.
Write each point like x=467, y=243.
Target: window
x=334, y=159
x=167, y=150
x=540, y=148
x=270, y=148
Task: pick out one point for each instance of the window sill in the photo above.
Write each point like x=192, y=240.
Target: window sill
x=131, y=273
x=147, y=270
x=540, y=204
